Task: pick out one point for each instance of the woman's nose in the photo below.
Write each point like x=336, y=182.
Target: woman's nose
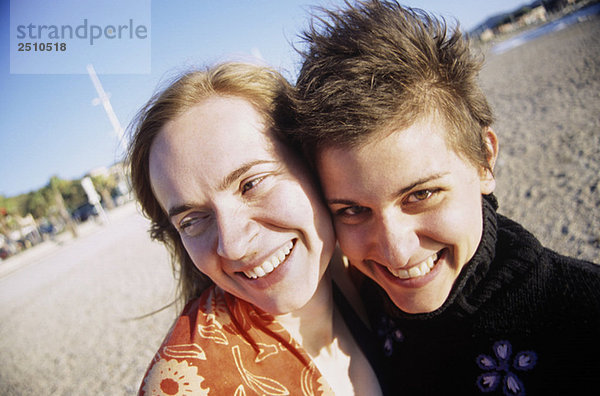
x=235, y=232
x=396, y=239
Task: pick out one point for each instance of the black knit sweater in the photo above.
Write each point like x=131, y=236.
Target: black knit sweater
x=520, y=319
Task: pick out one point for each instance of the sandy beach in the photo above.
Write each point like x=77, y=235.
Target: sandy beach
x=67, y=311
x=546, y=100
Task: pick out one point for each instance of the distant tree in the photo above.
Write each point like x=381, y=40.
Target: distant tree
x=54, y=187
x=3, y=205
x=36, y=204
x=506, y=19
x=71, y=191
x=19, y=205
x=554, y=5
x=41, y=202
x=3, y=216
x=104, y=185
x=522, y=11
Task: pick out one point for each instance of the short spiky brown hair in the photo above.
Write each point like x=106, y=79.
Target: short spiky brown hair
x=377, y=65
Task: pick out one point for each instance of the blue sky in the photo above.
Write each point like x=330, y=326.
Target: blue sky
x=48, y=122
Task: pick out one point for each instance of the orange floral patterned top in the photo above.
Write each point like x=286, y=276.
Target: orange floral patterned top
x=221, y=345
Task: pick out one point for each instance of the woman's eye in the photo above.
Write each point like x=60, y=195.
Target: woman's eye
x=193, y=225
x=350, y=214
x=419, y=196
x=249, y=185
x=353, y=210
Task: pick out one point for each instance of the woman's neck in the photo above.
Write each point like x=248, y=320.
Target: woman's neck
x=312, y=325
x=321, y=331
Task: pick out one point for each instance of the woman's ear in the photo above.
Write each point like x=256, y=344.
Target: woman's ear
x=491, y=142
x=488, y=181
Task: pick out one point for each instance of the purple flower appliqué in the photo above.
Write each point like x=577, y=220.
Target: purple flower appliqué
x=390, y=335
x=498, y=369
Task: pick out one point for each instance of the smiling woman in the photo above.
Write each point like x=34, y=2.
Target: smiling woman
x=244, y=209
x=246, y=225
x=410, y=216
x=465, y=300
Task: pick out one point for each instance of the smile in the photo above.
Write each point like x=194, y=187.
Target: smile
x=271, y=263
x=415, y=271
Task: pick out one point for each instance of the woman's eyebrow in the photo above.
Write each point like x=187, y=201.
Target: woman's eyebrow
x=402, y=191
x=340, y=202
x=226, y=182
x=237, y=173
x=174, y=211
x=423, y=180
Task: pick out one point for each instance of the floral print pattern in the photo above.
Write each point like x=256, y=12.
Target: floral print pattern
x=221, y=345
x=390, y=334
x=170, y=377
x=499, y=369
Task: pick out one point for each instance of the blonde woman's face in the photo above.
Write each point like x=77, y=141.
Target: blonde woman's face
x=246, y=208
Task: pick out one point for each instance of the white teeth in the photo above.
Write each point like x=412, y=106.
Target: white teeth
x=268, y=267
x=431, y=261
x=288, y=248
x=271, y=263
x=413, y=272
x=416, y=270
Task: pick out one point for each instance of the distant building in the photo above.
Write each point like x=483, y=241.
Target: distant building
x=515, y=21
x=506, y=28
x=486, y=35
x=536, y=15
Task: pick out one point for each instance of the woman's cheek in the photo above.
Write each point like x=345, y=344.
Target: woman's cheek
x=198, y=248
x=349, y=238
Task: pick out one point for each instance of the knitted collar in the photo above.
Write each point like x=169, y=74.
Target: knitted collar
x=468, y=292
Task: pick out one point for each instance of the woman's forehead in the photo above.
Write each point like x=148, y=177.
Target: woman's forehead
x=213, y=137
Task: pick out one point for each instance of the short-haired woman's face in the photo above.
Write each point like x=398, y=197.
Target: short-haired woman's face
x=245, y=207
x=407, y=211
